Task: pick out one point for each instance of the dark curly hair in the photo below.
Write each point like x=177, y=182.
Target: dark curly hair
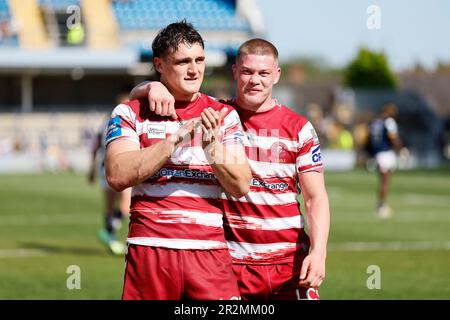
x=169, y=38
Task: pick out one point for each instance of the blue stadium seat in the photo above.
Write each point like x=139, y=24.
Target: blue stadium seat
x=59, y=4
x=4, y=10
x=5, y=16
x=9, y=42
x=204, y=14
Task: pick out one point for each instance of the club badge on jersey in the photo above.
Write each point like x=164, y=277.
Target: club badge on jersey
x=156, y=131
x=278, y=152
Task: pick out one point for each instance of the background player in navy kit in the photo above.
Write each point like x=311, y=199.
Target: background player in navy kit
x=383, y=142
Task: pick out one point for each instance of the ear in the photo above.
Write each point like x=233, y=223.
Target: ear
x=277, y=75
x=234, y=68
x=157, y=64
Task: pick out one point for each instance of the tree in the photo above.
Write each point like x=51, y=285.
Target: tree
x=369, y=70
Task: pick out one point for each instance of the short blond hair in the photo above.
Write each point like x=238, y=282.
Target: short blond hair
x=257, y=46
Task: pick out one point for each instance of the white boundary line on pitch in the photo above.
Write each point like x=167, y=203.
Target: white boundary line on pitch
x=51, y=219
x=428, y=199
x=22, y=253
x=389, y=246
x=395, y=218
x=95, y=218
x=345, y=246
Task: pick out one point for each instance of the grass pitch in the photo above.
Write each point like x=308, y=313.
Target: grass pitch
x=49, y=222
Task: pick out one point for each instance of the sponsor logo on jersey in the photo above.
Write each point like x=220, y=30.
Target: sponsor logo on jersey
x=316, y=156
x=114, y=130
x=185, y=173
x=238, y=136
x=156, y=131
x=270, y=186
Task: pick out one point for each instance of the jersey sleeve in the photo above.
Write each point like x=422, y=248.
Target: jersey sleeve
x=391, y=126
x=308, y=156
x=122, y=125
x=232, y=131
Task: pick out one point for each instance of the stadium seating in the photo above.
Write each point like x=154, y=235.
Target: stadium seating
x=204, y=14
x=67, y=128
x=30, y=24
x=4, y=10
x=5, y=16
x=101, y=24
x=60, y=5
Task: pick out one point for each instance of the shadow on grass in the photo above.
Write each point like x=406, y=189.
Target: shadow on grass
x=54, y=249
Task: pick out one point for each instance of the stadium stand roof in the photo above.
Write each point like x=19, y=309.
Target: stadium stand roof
x=4, y=10
x=12, y=59
x=204, y=14
x=59, y=4
x=132, y=24
x=224, y=24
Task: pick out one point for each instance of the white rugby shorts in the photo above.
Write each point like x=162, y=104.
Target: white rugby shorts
x=386, y=161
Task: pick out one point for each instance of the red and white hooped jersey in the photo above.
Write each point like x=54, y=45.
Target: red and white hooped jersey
x=180, y=206
x=266, y=225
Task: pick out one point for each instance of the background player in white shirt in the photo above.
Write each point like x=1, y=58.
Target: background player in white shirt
x=383, y=143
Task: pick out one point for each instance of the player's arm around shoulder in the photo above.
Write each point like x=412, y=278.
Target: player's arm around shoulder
x=315, y=197
x=160, y=100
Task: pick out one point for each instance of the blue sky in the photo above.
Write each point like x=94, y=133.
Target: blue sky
x=334, y=30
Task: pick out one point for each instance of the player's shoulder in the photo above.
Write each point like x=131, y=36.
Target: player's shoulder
x=139, y=108
x=295, y=120
x=136, y=104
x=390, y=124
x=390, y=121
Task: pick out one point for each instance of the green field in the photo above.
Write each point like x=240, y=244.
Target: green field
x=48, y=222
